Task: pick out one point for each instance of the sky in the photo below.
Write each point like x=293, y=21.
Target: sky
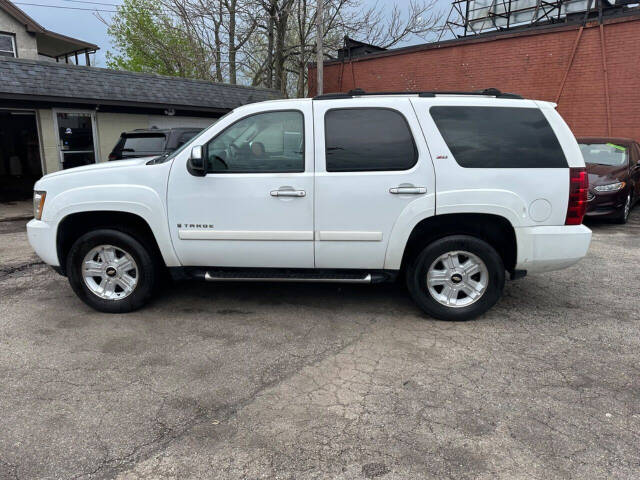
x=85, y=24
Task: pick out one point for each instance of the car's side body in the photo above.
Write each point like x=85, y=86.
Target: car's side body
x=366, y=221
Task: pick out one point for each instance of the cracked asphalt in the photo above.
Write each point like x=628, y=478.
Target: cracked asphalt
x=281, y=381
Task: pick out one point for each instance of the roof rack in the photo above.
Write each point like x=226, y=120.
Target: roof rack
x=358, y=92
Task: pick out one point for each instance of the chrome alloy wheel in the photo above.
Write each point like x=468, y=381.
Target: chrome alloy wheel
x=110, y=272
x=627, y=207
x=457, y=279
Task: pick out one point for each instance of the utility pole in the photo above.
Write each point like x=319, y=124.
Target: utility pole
x=319, y=45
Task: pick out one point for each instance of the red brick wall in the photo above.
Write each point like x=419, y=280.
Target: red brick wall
x=532, y=65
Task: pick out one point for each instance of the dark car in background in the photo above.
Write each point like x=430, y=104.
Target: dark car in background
x=151, y=142
x=614, y=176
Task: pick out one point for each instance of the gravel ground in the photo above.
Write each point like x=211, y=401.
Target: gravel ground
x=323, y=381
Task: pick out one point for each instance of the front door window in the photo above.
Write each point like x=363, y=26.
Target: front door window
x=76, y=139
x=270, y=142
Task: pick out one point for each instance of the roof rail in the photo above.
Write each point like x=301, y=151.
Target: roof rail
x=358, y=92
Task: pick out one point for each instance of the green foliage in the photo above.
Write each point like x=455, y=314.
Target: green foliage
x=149, y=40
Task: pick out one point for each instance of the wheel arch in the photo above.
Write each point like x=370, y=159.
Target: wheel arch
x=496, y=230
x=74, y=225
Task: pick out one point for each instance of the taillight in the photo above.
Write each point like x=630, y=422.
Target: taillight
x=578, y=189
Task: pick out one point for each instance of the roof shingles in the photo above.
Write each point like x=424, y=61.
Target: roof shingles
x=69, y=82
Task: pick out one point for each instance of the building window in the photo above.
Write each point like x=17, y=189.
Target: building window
x=368, y=140
x=7, y=45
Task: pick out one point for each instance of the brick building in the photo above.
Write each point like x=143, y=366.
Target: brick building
x=591, y=72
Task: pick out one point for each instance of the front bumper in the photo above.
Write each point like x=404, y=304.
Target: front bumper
x=604, y=205
x=547, y=248
x=42, y=238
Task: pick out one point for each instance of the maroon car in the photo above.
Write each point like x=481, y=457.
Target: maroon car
x=613, y=165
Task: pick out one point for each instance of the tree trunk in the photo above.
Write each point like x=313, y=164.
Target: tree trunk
x=231, y=9
x=270, y=44
x=301, y=79
x=279, y=58
x=218, y=43
x=302, y=42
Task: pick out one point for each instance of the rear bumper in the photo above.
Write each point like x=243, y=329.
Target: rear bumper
x=547, y=248
x=42, y=238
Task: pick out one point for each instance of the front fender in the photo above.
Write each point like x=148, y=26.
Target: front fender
x=139, y=200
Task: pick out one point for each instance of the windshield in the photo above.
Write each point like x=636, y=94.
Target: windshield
x=184, y=146
x=605, y=154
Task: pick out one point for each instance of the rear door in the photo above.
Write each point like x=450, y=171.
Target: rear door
x=372, y=163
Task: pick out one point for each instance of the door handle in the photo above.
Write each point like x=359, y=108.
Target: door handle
x=408, y=190
x=288, y=193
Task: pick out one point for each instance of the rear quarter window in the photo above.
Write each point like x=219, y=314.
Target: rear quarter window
x=499, y=137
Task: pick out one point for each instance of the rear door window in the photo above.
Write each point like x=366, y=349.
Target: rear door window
x=499, y=137
x=368, y=139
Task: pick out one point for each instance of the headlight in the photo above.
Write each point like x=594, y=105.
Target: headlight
x=612, y=187
x=38, y=204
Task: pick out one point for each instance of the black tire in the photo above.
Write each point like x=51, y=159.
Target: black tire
x=146, y=278
x=416, y=276
x=623, y=217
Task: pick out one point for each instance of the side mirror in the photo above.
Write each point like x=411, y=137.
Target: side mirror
x=195, y=164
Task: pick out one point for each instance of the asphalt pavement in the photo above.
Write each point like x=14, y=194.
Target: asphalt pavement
x=285, y=381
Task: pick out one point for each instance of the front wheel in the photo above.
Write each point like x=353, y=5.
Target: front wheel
x=458, y=277
x=626, y=210
x=111, y=271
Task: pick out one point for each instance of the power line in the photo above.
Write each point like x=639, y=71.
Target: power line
x=94, y=3
x=66, y=8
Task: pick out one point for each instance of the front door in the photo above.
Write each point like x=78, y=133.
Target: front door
x=254, y=208
x=76, y=138
x=372, y=166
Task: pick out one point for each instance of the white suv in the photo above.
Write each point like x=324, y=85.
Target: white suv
x=448, y=190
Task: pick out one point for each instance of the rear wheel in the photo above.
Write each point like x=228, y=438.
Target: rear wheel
x=111, y=271
x=456, y=278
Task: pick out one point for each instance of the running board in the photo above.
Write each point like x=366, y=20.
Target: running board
x=286, y=277
x=322, y=275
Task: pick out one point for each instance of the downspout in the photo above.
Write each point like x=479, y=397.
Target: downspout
x=353, y=74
